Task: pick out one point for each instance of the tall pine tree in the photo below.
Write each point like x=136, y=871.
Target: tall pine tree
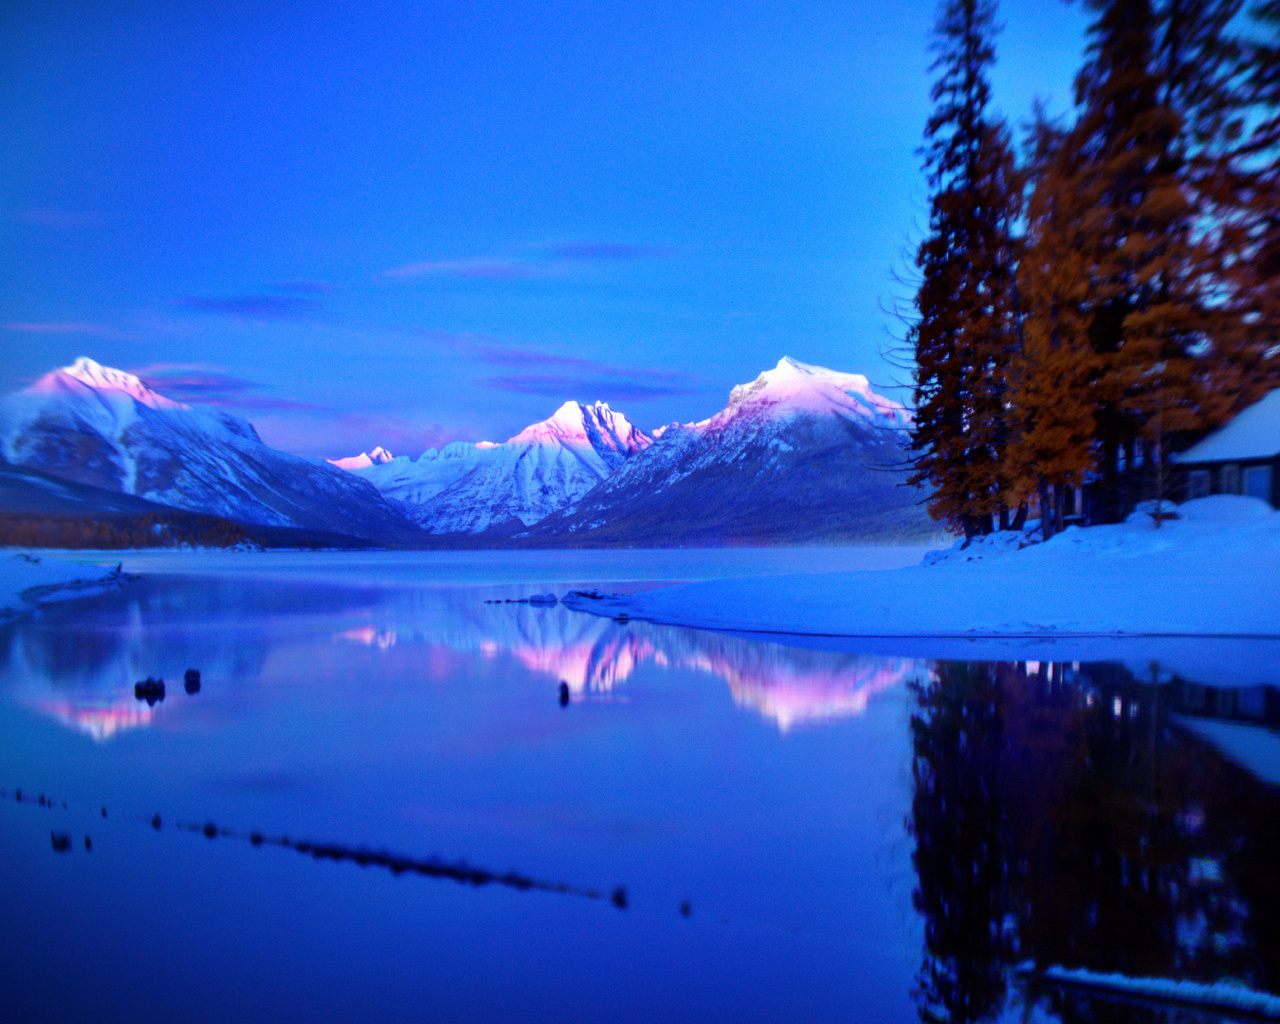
x=964, y=337
x=1146, y=272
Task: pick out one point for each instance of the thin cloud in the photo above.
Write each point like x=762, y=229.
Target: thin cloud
x=587, y=386
x=254, y=307
x=543, y=260
x=556, y=375
x=210, y=385
x=82, y=327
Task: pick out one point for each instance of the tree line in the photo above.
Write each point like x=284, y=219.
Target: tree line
x=1108, y=287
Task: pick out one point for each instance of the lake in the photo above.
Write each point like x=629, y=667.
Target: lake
x=401, y=792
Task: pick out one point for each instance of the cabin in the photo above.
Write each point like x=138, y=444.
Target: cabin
x=1243, y=457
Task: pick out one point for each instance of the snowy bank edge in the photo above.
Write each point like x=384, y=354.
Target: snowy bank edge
x=1192, y=578
x=32, y=579
x=1225, y=995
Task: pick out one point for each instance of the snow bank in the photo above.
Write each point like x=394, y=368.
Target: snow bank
x=28, y=580
x=1212, y=573
x=1227, y=995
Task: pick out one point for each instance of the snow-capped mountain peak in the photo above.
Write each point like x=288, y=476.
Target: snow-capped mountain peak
x=94, y=425
x=596, y=425
x=85, y=373
x=364, y=460
x=815, y=389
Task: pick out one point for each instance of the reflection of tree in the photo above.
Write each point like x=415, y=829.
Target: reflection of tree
x=961, y=847
x=1059, y=819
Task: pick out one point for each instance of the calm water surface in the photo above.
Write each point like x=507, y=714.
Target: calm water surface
x=710, y=828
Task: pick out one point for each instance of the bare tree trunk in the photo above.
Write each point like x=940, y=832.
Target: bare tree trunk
x=1046, y=511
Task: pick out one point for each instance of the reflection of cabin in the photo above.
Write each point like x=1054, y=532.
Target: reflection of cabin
x=1242, y=457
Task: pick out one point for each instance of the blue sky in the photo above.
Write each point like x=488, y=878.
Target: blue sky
x=401, y=224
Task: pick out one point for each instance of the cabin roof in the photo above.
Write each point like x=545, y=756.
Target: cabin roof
x=1254, y=434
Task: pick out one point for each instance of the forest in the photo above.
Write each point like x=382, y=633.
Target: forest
x=1100, y=290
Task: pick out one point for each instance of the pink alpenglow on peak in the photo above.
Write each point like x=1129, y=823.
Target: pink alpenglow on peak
x=471, y=488
x=364, y=460
x=596, y=425
x=85, y=373
x=800, y=387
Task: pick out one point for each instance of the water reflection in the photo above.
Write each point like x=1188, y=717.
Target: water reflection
x=1087, y=815
x=83, y=671
x=1061, y=817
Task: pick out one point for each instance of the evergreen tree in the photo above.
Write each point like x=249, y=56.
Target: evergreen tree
x=1056, y=369
x=963, y=338
x=1239, y=176
x=1122, y=173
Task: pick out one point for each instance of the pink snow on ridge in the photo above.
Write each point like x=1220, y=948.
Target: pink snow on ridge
x=364, y=460
x=85, y=373
x=572, y=422
x=815, y=389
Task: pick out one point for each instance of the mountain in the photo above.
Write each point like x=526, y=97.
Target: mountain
x=800, y=455
x=104, y=428
x=364, y=460
x=473, y=488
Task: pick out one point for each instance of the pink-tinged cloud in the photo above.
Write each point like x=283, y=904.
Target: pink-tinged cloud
x=545, y=260
x=559, y=376
x=587, y=386
x=53, y=217
x=82, y=327
x=547, y=373
x=210, y=385
x=254, y=307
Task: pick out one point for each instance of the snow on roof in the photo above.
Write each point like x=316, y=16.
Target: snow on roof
x=1254, y=434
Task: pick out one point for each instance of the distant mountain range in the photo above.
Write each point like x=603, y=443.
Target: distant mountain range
x=800, y=455
x=502, y=488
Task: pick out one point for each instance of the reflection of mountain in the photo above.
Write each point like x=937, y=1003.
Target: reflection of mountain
x=594, y=656
x=81, y=670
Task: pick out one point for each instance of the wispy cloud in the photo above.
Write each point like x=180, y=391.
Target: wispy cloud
x=538, y=372
x=255, y=307
x=554, y=375
x=81, y=327
x=540, y=260
x=210, y=385
x=588, y=387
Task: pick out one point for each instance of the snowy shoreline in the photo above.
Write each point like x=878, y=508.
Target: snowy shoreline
x=1212, y=573
x=29, y=580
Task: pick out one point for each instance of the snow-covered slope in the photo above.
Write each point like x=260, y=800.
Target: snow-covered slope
x=94, y=425
x=472, y=488
x=802, y=454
